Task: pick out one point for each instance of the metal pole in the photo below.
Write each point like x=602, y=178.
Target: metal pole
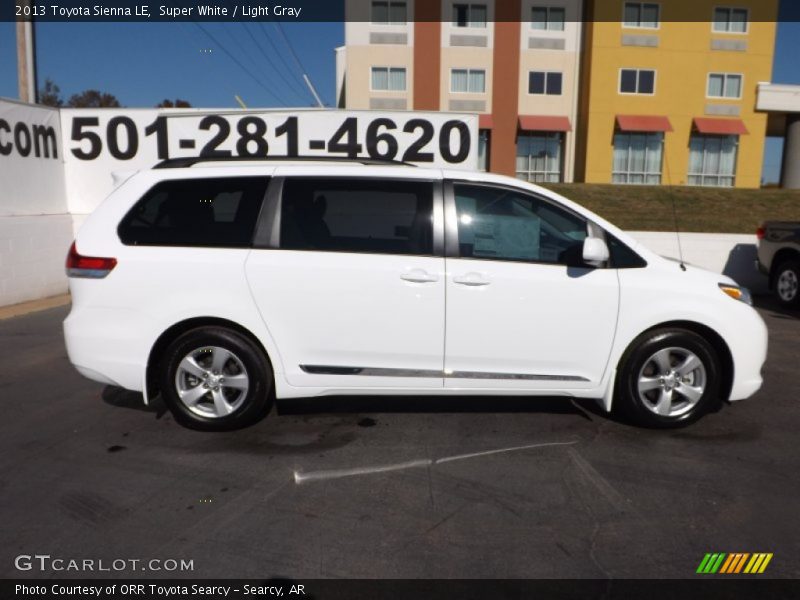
x=26, y=58
x=313, y=91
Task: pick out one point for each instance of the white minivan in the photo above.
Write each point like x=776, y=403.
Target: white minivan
x=221, y=285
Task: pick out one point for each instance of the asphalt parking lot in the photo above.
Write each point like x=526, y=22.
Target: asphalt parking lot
x=392, y=487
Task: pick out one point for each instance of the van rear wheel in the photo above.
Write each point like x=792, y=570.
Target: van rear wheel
x=215, y=379
x=668, y=378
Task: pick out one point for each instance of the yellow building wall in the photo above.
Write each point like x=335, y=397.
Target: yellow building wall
x=682, y=60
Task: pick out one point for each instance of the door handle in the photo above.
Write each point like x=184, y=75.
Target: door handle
x=471, y=279
x=419, y=276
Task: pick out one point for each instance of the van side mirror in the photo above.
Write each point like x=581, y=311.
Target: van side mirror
x=595, y=252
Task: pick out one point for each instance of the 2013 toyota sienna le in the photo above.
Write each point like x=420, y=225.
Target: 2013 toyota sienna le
x=223, y=285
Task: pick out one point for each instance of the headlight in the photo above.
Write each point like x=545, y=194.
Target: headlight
x=737, y=293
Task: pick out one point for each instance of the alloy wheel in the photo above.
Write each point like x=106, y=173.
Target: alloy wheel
x=787, y=285
x=671, y=382
x=212, y=382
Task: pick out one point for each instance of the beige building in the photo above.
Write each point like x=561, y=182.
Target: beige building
x=518, y=69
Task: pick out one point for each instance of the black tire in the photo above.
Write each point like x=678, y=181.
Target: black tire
x=247, y=364
x=785, y=283
x=638, y=361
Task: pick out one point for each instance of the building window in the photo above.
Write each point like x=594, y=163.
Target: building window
x=712, y=160
x=637, y=81
x=389, y=13
x=547, y=18
x=730, y=20
x=539, y=157
x=483, y=150
x=543, y=82
x=724, y=85
x=642, y=14
x=471, y=81
x=469, y=15
x=388, y=79
x=637, y=158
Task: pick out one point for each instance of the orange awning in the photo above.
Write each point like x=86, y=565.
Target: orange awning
x=485, y=121
x=720, y=126
x=645, y=123
x=544, y=123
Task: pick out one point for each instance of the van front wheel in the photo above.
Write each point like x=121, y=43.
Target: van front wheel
x=669, y=378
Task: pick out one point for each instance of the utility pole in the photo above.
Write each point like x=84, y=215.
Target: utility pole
x=26, y=58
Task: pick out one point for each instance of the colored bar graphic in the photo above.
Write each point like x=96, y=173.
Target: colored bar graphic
x=722, y=563
x=765, y=563
x=728, y=563
x=704, y=563
x=717, y=564
x=741, y=562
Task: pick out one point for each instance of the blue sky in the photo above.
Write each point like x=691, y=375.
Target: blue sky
x=143, y=63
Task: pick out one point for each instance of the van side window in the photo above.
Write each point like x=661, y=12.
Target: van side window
x=623, y=257
x=502, y=224
x=357, y=215
x=220, y=212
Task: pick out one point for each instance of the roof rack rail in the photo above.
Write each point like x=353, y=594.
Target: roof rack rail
x=182, y=163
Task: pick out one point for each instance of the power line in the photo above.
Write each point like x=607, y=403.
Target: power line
x=280, y=54
x=192, y=35
x=299, y=64
x=249, y=55
x=291, y=48
x=241, y=66
x=269, y=61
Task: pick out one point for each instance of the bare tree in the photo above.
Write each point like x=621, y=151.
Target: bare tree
x=93, y=99
x=50, y=94
x=170, y=104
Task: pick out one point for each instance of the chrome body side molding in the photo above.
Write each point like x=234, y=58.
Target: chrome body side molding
x=388, y=372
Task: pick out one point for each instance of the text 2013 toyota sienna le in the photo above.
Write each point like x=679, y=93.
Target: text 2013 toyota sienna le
x=224, y=285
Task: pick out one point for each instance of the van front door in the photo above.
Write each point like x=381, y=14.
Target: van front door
x=523, y=312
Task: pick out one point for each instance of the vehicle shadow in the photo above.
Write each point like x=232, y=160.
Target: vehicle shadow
x=439, y=404
x=584, y=408
x=739, y=267
x=770, y=304
x=122, y=398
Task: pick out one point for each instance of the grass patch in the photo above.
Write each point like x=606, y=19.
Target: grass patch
x=711, y=210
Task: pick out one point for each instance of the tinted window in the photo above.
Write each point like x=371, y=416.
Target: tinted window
x=345, y=215
x=554, y=83
x=647, y=82
x=536, y=81
x=628, y=81
x=196, y=212
x=502, y=224
x=621, y=256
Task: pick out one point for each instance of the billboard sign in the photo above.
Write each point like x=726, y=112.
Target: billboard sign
x=98, y=142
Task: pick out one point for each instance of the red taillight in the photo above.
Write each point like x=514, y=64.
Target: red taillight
x=92, y=267
x=760, y=233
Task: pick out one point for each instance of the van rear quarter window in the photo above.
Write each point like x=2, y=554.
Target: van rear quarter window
x=218, y=212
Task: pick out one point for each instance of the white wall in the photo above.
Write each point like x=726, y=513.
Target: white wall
x=728, y=253
x=35, y=227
